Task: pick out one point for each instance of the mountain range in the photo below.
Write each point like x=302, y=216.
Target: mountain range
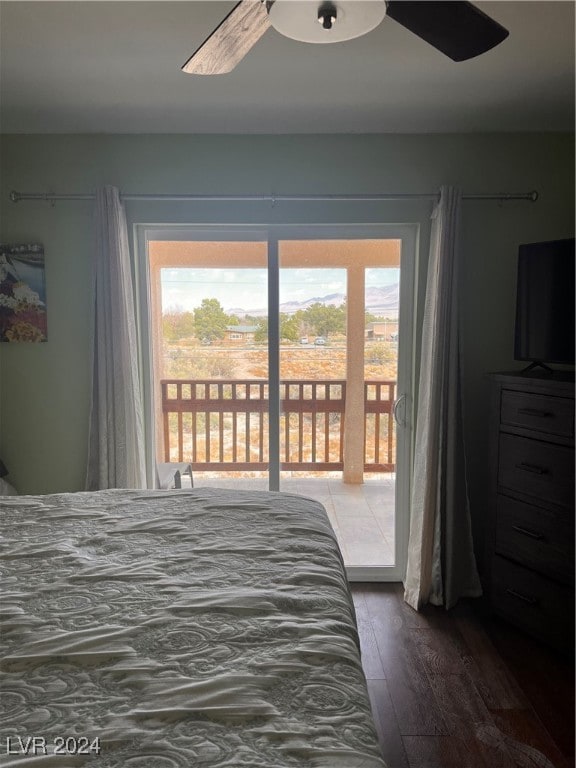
x=379, y=301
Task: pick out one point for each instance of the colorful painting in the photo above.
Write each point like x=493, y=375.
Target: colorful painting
x=22, y=293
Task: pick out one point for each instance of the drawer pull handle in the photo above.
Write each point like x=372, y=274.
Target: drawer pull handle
x=520, y=596
x=527, y=532
x=534, y=468
x=535, y=412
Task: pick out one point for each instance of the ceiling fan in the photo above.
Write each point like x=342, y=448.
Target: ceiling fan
x=457, y=29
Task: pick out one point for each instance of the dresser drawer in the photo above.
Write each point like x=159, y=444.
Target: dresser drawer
x=538, y=538
x=542, y=607
x=541, y=413
x=536, y=468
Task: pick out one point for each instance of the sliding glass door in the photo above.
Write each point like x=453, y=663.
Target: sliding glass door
x=280, y=361
x=339, y=327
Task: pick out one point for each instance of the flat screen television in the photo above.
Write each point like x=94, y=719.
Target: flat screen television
x=544, y=331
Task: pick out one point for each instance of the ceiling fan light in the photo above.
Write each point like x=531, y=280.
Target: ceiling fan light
x=306, y=20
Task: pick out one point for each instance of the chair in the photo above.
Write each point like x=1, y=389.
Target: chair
x=169, y=474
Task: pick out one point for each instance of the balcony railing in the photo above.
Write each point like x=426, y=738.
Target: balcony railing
x=222, y=425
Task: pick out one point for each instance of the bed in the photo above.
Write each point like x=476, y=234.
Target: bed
x=200, y=628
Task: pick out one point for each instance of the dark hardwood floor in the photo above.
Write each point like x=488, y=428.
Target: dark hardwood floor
x=451, y=690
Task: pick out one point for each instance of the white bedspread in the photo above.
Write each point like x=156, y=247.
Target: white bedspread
x=190, y=629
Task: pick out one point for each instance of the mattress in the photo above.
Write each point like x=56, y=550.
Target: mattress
x=200, y=628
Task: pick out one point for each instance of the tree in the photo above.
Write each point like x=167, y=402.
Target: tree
x=210, y=320
x=370, y=318
x=289, y=327
x=177, y=325
x=261, y=334
x=326, y=319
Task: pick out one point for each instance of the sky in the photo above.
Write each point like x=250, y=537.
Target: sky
x=184, y=288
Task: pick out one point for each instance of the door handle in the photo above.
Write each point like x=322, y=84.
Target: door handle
x=395, y=407
x=527, y=532
x=520, y=596
x=534, y=412
x=535, y=469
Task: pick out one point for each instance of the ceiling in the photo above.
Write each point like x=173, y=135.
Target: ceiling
x=114, y=67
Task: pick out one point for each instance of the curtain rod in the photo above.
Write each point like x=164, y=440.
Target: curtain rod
x=51, y=197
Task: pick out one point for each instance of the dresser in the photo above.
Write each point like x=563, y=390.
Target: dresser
x=530, y=533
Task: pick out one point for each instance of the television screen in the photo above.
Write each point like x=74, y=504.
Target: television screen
x=545, y=309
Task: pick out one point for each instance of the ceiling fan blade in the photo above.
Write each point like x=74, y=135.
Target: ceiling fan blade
x=457, y=29
x=231, y=40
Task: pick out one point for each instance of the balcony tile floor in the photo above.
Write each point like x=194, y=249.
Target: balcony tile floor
x=362, y=515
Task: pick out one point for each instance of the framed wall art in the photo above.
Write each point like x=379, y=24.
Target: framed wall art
x=22, y=293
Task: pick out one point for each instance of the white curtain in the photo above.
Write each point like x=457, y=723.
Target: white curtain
x=441, y=564
x=116, y=437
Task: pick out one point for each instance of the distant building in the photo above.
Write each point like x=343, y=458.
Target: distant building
x=382, y=330
x=240, y=334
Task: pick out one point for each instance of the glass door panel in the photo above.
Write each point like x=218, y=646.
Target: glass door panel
x=382, y=302
x=338, y=302
x=211, y=359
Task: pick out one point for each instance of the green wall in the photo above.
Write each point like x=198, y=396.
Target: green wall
x=44, y=388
